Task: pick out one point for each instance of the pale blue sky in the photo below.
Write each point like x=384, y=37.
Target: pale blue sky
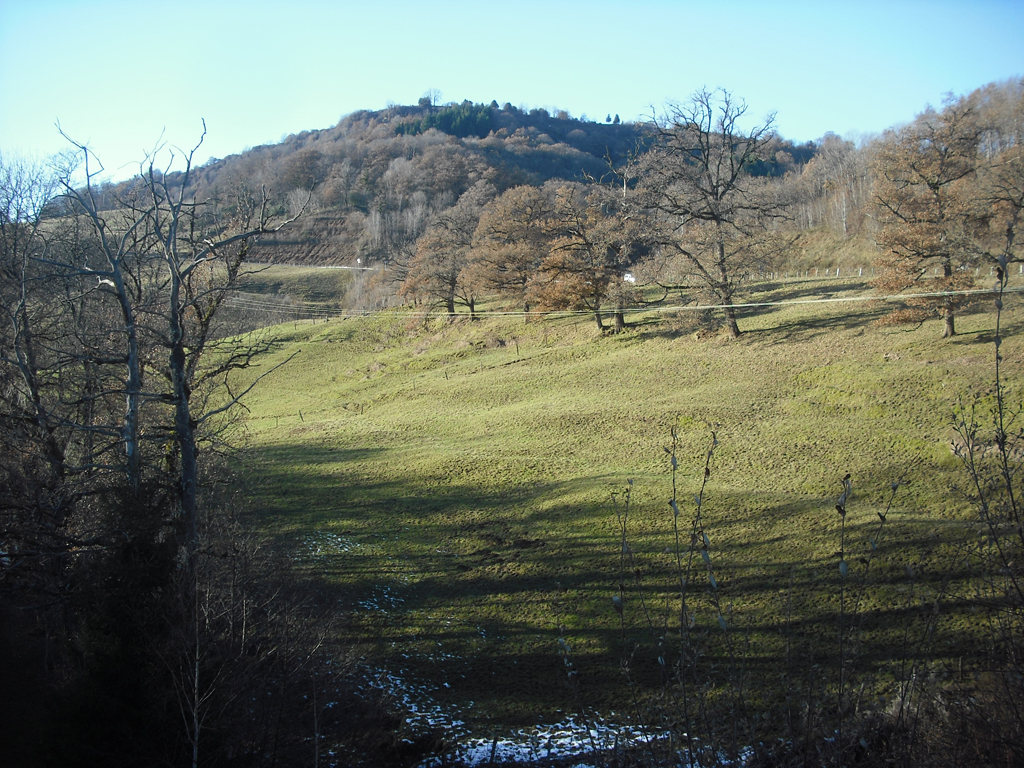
x=119, y=74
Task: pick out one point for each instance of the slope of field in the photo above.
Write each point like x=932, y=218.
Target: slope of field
x=463, y=488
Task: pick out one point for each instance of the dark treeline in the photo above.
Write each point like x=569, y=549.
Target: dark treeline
x=141, y=622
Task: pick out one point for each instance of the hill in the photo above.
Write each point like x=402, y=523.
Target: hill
x=476, y=494
x=379, y=176
x=803, y=540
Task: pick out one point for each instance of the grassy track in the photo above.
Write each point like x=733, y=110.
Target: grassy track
x=460, y=485
x=310, y=285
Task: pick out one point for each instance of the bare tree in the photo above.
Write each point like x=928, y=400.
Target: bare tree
x=36, y=398
x=1002, y=175
x=431, y=98
x=510, y=241
x=709, y=212
x=168, y=265
x=837, y=183
x=113, y=377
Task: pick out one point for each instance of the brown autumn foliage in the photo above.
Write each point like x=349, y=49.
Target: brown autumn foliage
x=931, y=218
x=948, y=196
x=592, y=248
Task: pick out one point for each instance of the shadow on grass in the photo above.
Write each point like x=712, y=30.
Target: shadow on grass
x=806, y=327
x=810, y=327
x=468, y=591
x=988, y=335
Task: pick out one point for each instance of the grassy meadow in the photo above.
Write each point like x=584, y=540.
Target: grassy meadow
x=461, y=490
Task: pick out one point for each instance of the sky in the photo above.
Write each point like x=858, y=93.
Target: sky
x=125, y=78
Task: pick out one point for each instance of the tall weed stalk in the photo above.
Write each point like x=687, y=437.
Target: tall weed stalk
x=992, y=458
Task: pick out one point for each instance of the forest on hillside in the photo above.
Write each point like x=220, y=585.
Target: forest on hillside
x=380, y=178
x=139, y=613
x=443, y=204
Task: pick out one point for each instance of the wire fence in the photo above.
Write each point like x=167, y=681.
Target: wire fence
x=288, y=309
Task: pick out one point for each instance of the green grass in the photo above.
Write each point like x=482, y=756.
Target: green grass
x=458, y=484
x=310, y=285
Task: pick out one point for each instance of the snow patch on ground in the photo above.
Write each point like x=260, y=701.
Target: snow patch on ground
x=323, y=546
x=383, y=599
x=423, y=713
x=567, y=740
x=563, y=741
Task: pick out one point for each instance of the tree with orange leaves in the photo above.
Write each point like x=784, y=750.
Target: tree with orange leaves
x=591, y=250
x=932, y=219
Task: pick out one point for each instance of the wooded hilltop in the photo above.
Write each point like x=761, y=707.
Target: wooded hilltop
x=443, y=204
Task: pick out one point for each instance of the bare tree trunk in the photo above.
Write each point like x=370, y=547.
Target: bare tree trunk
x=949, y=329
x=184, y=435
x=133, y=374
x=25, y=357
x=196, y=696
x=730, y=319
x=115, y=250
x=730, y=311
